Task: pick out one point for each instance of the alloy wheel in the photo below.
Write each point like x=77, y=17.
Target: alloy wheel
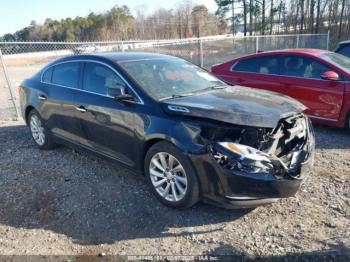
x=168, y=176
x=37, y=130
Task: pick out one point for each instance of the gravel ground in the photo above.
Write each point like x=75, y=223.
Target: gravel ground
x=63, y=202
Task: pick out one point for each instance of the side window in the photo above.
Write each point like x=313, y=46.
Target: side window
x=262, y=65
x=345, y=51
x=98, y=78
x=47, y=75
x=66, y=74
x=298, y=66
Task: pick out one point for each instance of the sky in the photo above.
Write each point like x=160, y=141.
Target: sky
x=17, y=14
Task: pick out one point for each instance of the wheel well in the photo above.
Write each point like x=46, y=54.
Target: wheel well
x=28, y=109
x=148, y=145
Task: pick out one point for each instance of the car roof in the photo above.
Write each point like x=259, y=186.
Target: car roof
x=129, y=56
x=347, y=42
x=118, y=56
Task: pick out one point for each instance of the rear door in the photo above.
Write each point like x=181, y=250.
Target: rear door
x=258, y=72
x=65, y=78
x=301, y=79
x=50, y=101
x=60, y=82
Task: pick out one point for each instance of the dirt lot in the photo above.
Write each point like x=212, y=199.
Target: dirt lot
x=64, y=202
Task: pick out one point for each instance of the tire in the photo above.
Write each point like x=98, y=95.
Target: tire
x=179, y=177
x=40, y=134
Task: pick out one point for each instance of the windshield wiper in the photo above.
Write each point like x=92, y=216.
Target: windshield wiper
x=192, y=93
x=213, y=87
x=177, y=96
x=219, y=87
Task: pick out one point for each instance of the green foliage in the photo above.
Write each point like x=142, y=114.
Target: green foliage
x=185, y=20
x=116, y=24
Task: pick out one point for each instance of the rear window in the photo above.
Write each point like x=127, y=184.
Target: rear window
x=261, y=65
x=66, y=74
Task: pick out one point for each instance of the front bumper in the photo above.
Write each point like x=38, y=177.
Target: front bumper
x=236, y=189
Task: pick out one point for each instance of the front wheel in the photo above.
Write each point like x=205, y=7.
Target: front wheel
x=39, y=132
x=171, y=176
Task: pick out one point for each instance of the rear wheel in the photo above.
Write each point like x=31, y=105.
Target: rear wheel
x=171, y=176
x=39, y=132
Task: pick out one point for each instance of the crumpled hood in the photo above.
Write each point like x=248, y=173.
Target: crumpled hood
x=236, y=105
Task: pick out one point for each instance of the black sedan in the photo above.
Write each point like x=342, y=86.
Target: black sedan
x=192, y=136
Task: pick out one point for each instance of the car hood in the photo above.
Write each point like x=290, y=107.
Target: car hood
x=236, y=105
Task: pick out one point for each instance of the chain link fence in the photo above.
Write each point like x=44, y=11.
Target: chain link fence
x=20, y=60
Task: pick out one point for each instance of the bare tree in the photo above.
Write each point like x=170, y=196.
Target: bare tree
x=341, y=18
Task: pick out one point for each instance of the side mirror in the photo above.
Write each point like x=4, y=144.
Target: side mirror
x=119, y=94
x=116, y=91
x=330, y=75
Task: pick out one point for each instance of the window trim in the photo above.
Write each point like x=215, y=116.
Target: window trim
x=140, y=101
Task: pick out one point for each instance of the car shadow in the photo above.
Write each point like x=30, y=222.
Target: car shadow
x=86, y=198
x=337, y=251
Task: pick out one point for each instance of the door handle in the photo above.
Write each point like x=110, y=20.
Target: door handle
x=42, y=97
x=80, y=109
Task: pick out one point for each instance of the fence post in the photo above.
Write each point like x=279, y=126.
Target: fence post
x=201, y=62
x=9, y=84
x=328, y=35
x=298, y=36
x=257, y=44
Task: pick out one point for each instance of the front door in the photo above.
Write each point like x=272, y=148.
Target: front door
x=301, y=79
x=107, y=125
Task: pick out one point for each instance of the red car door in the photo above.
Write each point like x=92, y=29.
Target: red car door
x=258, y=72
x=301, y=79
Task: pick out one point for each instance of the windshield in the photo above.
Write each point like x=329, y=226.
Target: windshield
x=170, y=77
x=337, y=59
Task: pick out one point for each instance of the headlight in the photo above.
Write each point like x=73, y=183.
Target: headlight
x=243, y=158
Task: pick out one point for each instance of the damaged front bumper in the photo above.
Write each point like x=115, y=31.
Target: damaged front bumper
x=233, y=188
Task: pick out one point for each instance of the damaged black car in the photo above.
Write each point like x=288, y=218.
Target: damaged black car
x=192, y=136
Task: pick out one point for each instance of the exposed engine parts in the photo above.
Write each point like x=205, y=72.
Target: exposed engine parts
x=261, y=150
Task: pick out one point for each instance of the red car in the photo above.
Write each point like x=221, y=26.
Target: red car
x=319, y=79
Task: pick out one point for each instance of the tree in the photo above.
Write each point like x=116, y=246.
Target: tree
x=225, y=6
x=341, y=19
x=263, y=17
x=8, y=38
x=200, y=15
x=245, y=13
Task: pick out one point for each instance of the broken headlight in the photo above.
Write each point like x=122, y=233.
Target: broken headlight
x=243, y=158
